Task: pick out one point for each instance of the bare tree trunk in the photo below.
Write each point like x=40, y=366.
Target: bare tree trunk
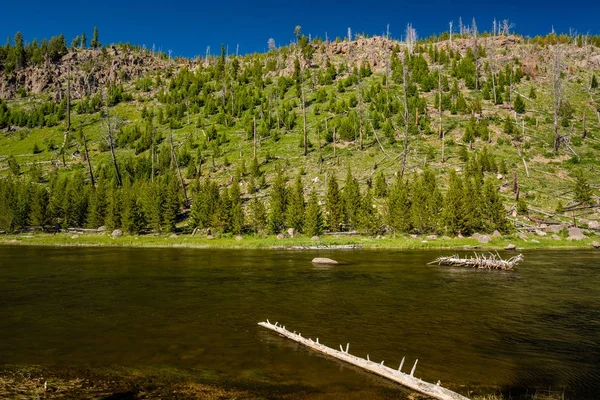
x=405, y=152
x=556, y=92
x=87, y=157
x=304, y=121
x=254, y=134
x=176, y=163
x=114, y=156
x=152, y=155
x=441, y=132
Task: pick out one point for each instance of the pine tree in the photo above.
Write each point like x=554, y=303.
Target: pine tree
x=334, y=205
x=258, y=216
x=582, y=190
x=369, y=220
x=152, y=204
x=454, y=215
x=254, y=168
x=204, y=204
x=97, y=205
x=352, y=199
x=296, y=207
x=113, y=208
x=474, y=205
x=38, y=216
x=171, y=204
x=132, y=218
x=83, y=41
x=313, y=224
x=398, y=206
x=493, y=209
x=237, y=214
x=594, y=82
x=221, y=218
x=426, y=203
x=278, y=203
x=75, y=202
x=380, y=186
x=519, y=104
x=95, y=38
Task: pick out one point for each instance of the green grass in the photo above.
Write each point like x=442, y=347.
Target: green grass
x=298, y=242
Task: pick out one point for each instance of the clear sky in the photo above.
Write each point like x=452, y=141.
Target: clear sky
x=187, y=28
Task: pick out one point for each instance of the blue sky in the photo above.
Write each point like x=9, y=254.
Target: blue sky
x=187, y=28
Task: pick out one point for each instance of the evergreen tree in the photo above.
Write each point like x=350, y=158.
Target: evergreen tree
x=278, y=203
x=75, y=202
x=38, y=216
x=334, y=205
x=368, y=218
x=171, y=204
x=254, y=168
x=398, y=207
x=221, y=218
x=454, y=213
x=8, y=203
x=258, y=216
x=113, y=208
x=153, y=203
x=237, y=214
x=204, y=204
x=380, y=186
x=295, y=211
x=83, y=41
x=97, y=205
x=519, y=104
x=582, y=190
x=474, y=205
x=313, y=224
x=426, y=203
x=352, y=200
x=594, y=82
x=493, y=209
x=132, y=218
x=95, y=39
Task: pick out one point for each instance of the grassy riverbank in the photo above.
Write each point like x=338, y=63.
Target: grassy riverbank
x=36, y=382
x=295, y=243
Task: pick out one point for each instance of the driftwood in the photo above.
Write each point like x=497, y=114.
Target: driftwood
x=492, y=261
x=434, y=390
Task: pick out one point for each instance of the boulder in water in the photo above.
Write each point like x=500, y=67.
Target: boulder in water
x=322, y=260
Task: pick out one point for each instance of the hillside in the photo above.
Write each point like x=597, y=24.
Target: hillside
x=168, y=139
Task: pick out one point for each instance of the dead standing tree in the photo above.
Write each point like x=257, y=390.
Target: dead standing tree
x=112, y=125
x=557, y=66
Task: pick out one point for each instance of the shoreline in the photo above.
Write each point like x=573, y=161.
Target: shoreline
x=298, y=243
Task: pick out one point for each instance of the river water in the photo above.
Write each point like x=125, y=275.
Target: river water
x=193, y=310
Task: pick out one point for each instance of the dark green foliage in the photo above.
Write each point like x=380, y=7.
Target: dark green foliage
x=313, y=223
x=13, y=165
x=296, y=207
x=380, y=187
x=454, y=216
x=258, y=215
x=522, y=207
x=493, y=209
x=351, y=198
x=278, y=202
x=95, y=38
x=582, y=192
x=399, y=207
x=426, y=203
x=334, y=205
x=594, y=82
x=519, y=104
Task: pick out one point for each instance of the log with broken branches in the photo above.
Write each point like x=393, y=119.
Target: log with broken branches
x=481, y=261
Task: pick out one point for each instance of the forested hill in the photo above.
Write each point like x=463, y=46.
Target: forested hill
x=456, y=134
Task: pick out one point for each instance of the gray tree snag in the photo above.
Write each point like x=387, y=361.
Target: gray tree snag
x=176, y=163
x=475, y=52
x=111, y=124
x=405, y=151
x=556, y=93
x=450, y=30
x=87, y=158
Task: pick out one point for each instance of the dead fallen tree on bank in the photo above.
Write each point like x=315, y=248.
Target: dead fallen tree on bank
x=434, y=390
x=481, y=261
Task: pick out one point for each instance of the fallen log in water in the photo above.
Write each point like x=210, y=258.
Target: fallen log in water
x=492, y=261
x=435, y=391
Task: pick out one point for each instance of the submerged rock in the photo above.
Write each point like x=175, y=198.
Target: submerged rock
x=322, y=260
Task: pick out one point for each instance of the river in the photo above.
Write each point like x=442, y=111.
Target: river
x=194, y=310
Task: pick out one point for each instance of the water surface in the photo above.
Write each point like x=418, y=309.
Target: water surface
x=537, y=328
